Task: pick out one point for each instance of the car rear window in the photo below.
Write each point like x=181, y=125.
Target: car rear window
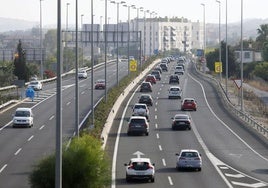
x=174, y=89
x=137, y=121
x=189, y=154
x=140, y=165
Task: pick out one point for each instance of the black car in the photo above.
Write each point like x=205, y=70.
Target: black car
x=163, y=66
x=181, y=122
x=146, y=99
x=174, y=79
x=146, y=86
x=157, y=74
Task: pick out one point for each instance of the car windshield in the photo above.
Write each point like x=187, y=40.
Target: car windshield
x=181, y=117
x=174, y=89
x=140, y=165
x=189, y=154
x=22, y=114
x=139, y=121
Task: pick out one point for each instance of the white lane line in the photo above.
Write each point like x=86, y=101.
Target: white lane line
x=157, y=135
x=41, y=127
x=17, y=152
x=160, y=147
x=83, y=92
x=224, y=167
x=29, y=139
x=51, y=117
x=68, y=103
x=164, y=162
x=156, y=103
x=1, y=170
x=170, y=180
x=155, y=117
x=156, y=126
x=160, y=88
x=155, y=109
x=254, y=185
x=235, y=175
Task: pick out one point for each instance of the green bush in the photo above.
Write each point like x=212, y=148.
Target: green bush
x=84, y=164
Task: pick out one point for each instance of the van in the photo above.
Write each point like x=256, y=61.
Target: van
x=23, y=117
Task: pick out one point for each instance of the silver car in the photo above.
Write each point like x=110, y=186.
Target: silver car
x=189, y=159
x=140, y=168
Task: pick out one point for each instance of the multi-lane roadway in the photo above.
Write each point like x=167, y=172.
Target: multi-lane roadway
x=21, y=148
x=233, y=155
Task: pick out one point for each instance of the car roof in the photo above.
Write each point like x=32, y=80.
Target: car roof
x=100, y=80
x=147, y=95
x=181, y=115
x=23, y=109
x=140, y=104
x=140, y=160
x=189, y=99
x=189, y=150
x=138, y=117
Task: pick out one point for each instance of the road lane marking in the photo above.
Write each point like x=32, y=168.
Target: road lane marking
x=157, y=135
x=83, y=92
x=155, y=109
x=164, y=162
x=170, y=180
x=41, y=127
x=235, y=175
x=51, y=117
x=255, y=185
x=155, y=117
x=68, y=103
x=17, y=152
x=160, y=147
x=1, y=170
x=156, y=126
x=29, y=139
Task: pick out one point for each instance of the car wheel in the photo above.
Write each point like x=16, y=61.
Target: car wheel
x=152, y=179
x=147, y=134
x=128, y=133
x=199, y=169
x=127, y=179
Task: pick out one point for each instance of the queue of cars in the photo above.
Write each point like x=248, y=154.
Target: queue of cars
x=143, y=168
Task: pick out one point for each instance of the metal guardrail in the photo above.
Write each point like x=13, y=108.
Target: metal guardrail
x=242, y=115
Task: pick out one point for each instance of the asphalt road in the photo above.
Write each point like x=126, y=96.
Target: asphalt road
x=233, y=155
x=21, y=148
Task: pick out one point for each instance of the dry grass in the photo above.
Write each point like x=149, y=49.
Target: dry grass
x=252, y=104
x=261, y=85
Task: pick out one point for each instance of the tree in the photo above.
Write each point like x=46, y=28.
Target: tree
x=20, y=62
x=261, y=70
x=262, y=35
x=265, y=51
x=84, y=164
x=213, y=57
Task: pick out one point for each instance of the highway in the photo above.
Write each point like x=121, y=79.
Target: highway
x=21, y=148
x=233, y=155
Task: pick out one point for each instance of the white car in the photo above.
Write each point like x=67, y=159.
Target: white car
x=189, y=158
x=140, y=109
x=174, y=92
x=82, y=74
x=36, y=85
x=140, y=168
x=23, y=117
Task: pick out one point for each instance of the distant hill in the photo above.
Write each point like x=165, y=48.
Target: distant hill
x=8, y=24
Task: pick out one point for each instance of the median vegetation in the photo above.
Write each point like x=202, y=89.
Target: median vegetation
x=84, y=163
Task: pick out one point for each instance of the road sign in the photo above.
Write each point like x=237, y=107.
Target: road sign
x=218, y=67
x=133, y=65
x=238, y=83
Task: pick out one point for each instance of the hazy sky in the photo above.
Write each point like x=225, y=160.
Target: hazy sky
x=192, y=9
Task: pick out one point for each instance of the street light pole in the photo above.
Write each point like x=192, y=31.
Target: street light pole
x=219, y=33
x=41, y=43
x=204, y=37
x=226, y=51
x=105, y=49
x=241, y=54
x=117, y=42
x=82, y=44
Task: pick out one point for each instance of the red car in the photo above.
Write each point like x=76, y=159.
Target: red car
x=150, y=78
x=100, y=84
x=188, y=104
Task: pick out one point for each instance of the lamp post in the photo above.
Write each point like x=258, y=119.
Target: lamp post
x=117, y=36
x=241, y=54
x=155, y=15
x=128, y=30
x=226, y=51
x=92, y=65
x=76, y=71
x=219, y=33
x=67, y=18
x=204, y=37
x=41, y=43
x=105, y=49
x=82, y=44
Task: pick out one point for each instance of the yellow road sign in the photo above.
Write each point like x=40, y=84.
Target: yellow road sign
x=218, y=67
x=133, y=65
